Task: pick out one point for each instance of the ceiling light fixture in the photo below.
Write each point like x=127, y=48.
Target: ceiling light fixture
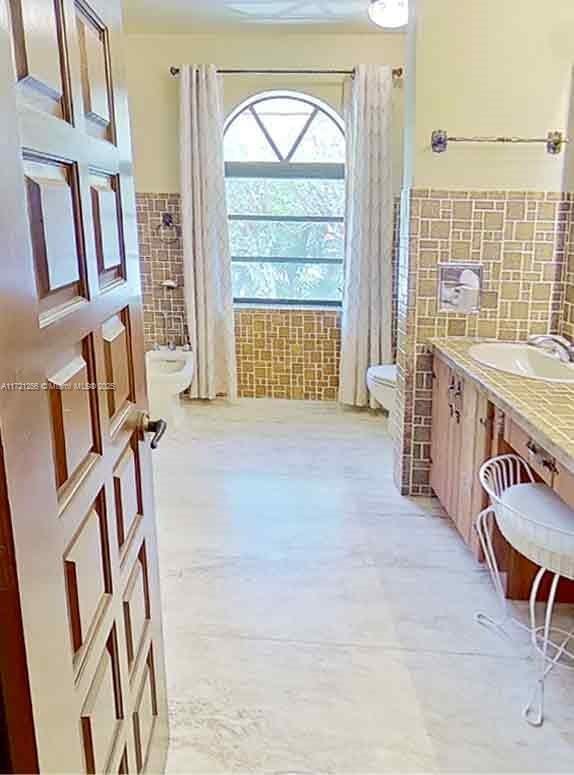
x=389, y=13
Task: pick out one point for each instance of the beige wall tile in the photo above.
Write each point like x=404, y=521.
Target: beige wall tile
x=430, y=209
x=524, y=231
x=439, y=230
x=493, y=221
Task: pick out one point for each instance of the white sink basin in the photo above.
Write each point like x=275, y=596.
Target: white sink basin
x=522, y=360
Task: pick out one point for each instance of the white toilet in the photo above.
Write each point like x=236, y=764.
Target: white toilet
x=382, y=384
x=169, y=373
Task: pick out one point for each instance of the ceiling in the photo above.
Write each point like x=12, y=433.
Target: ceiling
x=204, y=15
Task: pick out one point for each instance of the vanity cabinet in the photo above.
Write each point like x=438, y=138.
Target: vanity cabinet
x=460, y=443
x=467, y=429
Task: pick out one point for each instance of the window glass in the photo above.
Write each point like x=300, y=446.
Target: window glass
x=288, y=281
x=244, y=141
x=323, y=142
x=302, y=239
x=269, y=196
x=285, y=121
x=285, y=159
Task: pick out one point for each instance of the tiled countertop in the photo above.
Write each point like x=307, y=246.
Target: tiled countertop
x=544, y=409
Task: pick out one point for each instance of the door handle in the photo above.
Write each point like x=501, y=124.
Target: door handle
x=157, y=427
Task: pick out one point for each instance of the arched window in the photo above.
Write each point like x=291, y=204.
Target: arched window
x=285, y=173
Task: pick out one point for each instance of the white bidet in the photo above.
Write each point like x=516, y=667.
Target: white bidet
x=169, y=373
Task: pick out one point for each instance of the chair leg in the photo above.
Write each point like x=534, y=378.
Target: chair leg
x=484, y=527
x=534, y=710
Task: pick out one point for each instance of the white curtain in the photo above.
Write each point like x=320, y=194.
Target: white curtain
x=207, y=260
x=367, y=301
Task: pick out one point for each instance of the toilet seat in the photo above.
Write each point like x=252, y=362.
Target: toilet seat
x=382, y=383
x=384, y=375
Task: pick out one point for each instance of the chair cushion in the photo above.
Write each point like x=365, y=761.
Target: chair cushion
x=539, y=525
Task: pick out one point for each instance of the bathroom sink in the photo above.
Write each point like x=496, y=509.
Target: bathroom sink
x=522, y=360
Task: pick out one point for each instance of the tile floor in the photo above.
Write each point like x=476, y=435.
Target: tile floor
x=317, y=622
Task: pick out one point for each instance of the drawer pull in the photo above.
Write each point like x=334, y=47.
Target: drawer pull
x=546, y=462
x=532, y=448
x=550, y=465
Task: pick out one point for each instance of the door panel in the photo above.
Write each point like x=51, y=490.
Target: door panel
x=88, y=577
x=76, y=468
x=53, y=219
x=108, y=228
x=137, y=610
x=128, y=497
x=102, y=712
x=93, y=42
x=56, y=234
x=74, y=426
x=115, y=334
x=39, y=54
x=146, y=713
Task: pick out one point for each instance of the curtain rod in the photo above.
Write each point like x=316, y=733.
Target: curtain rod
x=397, y=72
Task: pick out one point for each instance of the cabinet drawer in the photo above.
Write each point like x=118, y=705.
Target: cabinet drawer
x=564, y=484
x=536, y=456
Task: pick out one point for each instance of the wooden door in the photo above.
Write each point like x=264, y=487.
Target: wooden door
x=78, y=555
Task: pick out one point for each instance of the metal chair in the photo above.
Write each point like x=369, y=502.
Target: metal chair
x=538, y=524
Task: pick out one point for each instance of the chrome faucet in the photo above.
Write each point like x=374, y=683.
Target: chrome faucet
x=555, y=344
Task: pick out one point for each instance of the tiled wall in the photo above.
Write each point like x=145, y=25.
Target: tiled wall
x=288, y=353
x=164, y=310
x=520, y=240
x=281, y=353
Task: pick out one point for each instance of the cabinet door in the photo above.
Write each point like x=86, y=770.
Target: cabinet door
x=454, y=441
x=460, y=443
x=475, y=437
x=440, y=429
